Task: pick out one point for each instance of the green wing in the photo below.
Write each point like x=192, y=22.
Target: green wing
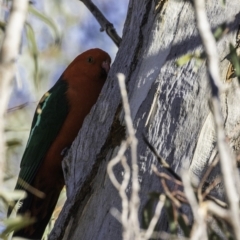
x=50, y=114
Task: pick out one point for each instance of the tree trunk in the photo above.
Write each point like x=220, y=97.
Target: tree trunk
x=180, y=127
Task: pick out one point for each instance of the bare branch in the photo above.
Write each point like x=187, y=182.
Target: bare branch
x=215, y=182
x=203, y=180
x=216, y=201
x=30, y=188
x=199, y=229
x=164, y=175
x=123, y=218
x=135, y=201
x=104, y=23
x=218, y=211
x=114, y=162
x=8, y=57
x=169, y=194
x=228, y=169
x=125, y=203
x=160, y=159
x=21, y=106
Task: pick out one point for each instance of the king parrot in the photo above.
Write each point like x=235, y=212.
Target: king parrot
x=57, y=120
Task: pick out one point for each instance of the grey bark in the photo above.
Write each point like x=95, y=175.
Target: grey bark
x=156, y=34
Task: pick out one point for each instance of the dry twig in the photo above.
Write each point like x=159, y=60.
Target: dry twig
x=199, y=229
x=160, y=159
x=169, y=194
x=164, y=175
x=205, y=176
x=134, y=200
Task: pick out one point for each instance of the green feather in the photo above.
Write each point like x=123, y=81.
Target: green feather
x=47, y=122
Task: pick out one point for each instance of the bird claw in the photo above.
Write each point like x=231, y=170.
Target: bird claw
x=65, y=151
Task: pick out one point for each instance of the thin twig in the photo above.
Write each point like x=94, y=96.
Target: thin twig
x=181, y=199
x=30, y=188
x=211, y=187
x=164, y=175
x=217, y=201
x=19, y=107
x=203, y=180
x=218, y=211
x=134, y=200
x=199, y=229
x=180, y=196
x=122, y=192
x=8, y=57
x=169, y=194
x=104, y=23
x=229, y=173
x=114, y=162
x=160, y=159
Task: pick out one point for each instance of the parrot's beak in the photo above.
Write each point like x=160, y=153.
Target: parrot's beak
x=106, y=66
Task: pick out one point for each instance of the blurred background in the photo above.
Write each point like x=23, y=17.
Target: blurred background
x=55, y=33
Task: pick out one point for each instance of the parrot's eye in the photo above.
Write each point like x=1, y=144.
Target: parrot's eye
x=90, y=59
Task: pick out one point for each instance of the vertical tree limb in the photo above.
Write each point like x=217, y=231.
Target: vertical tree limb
x=8, y=57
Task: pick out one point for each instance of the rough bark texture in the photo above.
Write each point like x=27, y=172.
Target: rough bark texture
x=156, y=34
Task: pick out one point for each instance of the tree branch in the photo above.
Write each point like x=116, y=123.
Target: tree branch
x=199, y=229
x=104, y=23
x=8, y=57
x=134, y=200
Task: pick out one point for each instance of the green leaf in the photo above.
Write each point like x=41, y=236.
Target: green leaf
x=184, y=226
x=2, y=25
x=47, y=20
x=220, y=31
x=13, y=142
x=223, y=2
x=14, y=224
x=184, y=59
x=148, y=210
x=172, y=224
x=235, y=60
x=32, y=45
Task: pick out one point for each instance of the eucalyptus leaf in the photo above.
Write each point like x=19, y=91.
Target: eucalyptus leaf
x=184, y=226
x=148, y=210
x=2, y=25
x=220, y=31
x=16, y=223
x=184, y=59
x=47, y=20
x=32, y=44
x=170, y=213
x=234, y=59
x=13, y=142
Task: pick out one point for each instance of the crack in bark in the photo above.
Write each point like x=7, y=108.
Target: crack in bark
x=139, y=47
x=226, y=106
